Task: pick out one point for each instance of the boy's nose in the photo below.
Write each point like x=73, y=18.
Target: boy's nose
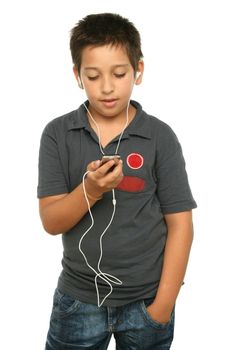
x=107, y=86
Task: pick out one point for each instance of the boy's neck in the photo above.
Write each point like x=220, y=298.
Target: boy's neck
x=111, y=127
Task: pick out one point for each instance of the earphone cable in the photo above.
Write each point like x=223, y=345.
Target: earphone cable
x=104, y=276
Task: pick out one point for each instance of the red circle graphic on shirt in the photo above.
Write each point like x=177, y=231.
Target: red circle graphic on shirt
x=135, y=161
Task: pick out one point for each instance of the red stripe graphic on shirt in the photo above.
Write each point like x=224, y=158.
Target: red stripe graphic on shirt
x=131, y=184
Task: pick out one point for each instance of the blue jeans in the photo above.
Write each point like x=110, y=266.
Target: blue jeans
x=77, y=325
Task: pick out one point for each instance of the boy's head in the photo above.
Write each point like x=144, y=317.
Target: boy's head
x=105, y=29
x=106, y=52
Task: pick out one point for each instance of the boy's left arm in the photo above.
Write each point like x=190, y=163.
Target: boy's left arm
x=176, y=254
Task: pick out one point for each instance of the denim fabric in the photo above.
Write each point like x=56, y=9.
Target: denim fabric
x=77, y=325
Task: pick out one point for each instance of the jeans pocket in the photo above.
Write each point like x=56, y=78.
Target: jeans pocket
x=64, y=305
x=160, y=326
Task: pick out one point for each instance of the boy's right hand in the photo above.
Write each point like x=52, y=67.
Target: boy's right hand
x=100, y=179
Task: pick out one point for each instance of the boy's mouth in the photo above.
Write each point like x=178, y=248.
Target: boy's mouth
x=109, y=102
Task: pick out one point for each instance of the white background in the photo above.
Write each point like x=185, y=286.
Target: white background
x=188, y=83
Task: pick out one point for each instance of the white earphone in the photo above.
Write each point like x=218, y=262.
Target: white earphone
x=106, y=277
x=137, y=75
x=80, y=83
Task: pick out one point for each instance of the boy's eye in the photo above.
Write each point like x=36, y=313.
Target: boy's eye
x=116, y=75
x=119, y=75
x=93, y=78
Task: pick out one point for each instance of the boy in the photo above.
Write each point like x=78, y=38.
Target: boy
x=126, y=223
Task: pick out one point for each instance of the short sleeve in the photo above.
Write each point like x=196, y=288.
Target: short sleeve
x=173, y=188
x=51, y=177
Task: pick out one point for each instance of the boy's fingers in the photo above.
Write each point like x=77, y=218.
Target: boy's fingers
x=104, y=169
x=116, y=172
x=118, y=169
x=94, y=165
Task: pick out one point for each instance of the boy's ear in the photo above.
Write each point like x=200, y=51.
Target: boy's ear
x=78, y=78
x=139, y=73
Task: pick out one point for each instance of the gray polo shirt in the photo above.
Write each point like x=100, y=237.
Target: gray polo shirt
x=155, y=183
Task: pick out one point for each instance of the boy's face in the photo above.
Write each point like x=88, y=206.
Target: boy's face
x=108, y=79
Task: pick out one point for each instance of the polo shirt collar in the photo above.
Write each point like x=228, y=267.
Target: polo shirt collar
x=139, y=126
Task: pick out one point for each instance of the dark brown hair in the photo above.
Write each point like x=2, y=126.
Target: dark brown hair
x=105, y=29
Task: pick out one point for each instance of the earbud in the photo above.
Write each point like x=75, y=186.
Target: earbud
x=137, y=75
x=80, y=83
